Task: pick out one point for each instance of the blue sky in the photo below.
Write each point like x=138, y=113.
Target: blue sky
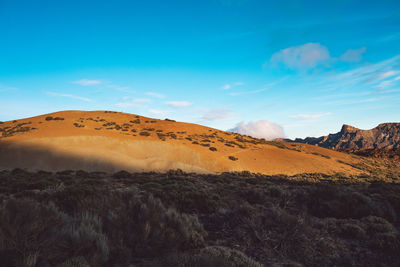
x=305, y=67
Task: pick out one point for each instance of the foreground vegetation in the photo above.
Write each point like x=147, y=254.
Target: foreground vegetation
x=179, y=219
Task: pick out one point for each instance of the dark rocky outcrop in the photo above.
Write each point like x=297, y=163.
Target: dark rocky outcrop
x=384, y=136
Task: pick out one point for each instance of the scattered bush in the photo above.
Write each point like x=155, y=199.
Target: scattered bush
x=137, y=121
x=49, y=118
x=78, y=125
x=144, y=134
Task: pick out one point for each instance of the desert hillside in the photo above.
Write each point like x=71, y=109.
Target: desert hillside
x=111, y=141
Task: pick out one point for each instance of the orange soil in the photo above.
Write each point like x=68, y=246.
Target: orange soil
x=59, y=145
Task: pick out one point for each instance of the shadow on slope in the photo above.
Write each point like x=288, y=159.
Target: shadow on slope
x=97, y=154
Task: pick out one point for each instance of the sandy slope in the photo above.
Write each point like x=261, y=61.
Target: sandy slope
x=111, y=141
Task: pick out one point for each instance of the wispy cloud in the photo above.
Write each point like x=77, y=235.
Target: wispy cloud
x=388, y=91
x=142, y=100
x=118, y=87
x=86, y=82
x=217, y=115
x=231, y=85
x=132, y=102
x=69, y=96
x=353, y=55
x=310, y=116
x=384, y=84
x=178, y=104
x=5, y=88
x=360, y=81
x=127, y=105
x=226, y=86
x=156, y=95
x=353, y=101
x=304, y=56
x=248, y=92
x=382, y=75
x=159, y=112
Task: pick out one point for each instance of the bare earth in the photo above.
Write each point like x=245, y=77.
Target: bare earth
x=113, y=141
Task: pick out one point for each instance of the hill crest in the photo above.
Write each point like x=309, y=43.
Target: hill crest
x=112, y=141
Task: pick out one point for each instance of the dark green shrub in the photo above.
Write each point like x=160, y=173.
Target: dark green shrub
x=387, y=241
x=137, y=121
x=214, y=256
x=153, y=229
x=83, y=237
x=29, y=228
x=328, y=201
x=347, y=228
x=375, y=225
x=144, y=134
x=74, y=262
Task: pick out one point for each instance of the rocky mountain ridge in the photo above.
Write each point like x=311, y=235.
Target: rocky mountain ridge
x=384, y=136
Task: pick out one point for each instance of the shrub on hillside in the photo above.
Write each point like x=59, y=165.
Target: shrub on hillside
x=83, y=237
x=32, y=230
x=328, y=201
x=153, y=229
x=29, y=229
x=213, y=256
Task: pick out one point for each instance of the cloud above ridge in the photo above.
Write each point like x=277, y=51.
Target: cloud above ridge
x=259, y=129
x=178, y=104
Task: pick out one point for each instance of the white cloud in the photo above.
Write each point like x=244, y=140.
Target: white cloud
x=384, y=84
x=353, y=55
x=217, y=115
x=310, y=116
x=69, y=96
x=156, y=95
x=231, y=85
x=386, y=74
x=127, y=105
x=86, y=82
x=178, y=104
x=388, y=91
x=119, y=88
x=247, y=92
x=141, y=100
x=304, y=56
x=136, y=102
x=158, y=112
x=5, y=88
x=227, y=86
x=260, y=129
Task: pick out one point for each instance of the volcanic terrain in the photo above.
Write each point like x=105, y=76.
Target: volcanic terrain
x=112, y=141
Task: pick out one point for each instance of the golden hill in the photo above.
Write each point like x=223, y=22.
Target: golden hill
x=112, y=141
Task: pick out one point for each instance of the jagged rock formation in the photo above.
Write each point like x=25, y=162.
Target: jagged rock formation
x=384, y=136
